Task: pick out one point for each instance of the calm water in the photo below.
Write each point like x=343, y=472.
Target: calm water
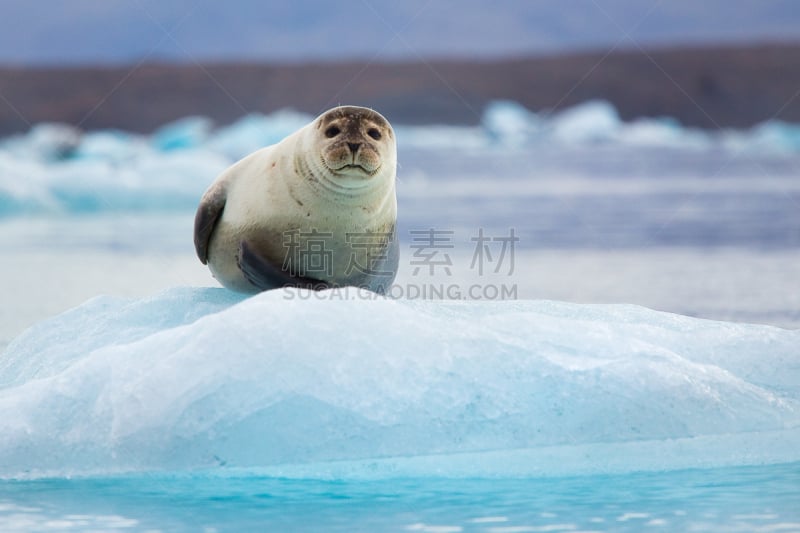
x=765, y=498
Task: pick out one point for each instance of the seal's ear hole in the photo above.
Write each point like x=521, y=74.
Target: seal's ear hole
x=374, y=133
x=332, y=132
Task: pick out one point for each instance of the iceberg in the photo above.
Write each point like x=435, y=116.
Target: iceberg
x=55, y=168
x=44, y=142
x=23, y=186
x=662, y=132
x=148, y=182
x=113, y=146
x=509, y=123
x=346, y=383
x=592, y=121
x=776, y=135
x=188, y=132
x=255, y=131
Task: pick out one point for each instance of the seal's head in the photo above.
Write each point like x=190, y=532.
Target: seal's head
x=356, y=144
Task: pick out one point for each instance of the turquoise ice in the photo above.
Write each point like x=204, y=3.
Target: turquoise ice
x=345, y=384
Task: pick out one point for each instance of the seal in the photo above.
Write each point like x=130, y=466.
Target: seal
x=316, y=210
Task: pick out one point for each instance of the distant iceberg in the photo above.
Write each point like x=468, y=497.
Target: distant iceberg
x=255, y=131
x=592, y=121
x=770, y=137
x=110, y=145
x=324, y=384
x=115, y=181
x=189, y=132
x=509, y=123
x=43, y=142
x=665, y=132
x=57, y=168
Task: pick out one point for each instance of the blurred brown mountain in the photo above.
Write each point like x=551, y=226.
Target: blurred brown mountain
x=709, y=87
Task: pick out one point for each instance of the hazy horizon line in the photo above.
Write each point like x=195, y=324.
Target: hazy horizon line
x=489, y=57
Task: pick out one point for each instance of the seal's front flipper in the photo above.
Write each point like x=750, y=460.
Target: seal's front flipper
x=264, y=275
x=205, y=220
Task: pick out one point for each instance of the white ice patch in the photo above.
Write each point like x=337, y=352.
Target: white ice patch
x=308, y=387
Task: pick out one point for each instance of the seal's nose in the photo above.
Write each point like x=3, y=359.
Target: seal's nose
x=354, y=147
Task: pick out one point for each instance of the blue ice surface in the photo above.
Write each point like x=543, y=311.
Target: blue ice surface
x=199, y=409
x=344, y=384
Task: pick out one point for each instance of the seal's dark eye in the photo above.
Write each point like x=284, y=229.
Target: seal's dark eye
x=374, y=133
x=332, y=132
